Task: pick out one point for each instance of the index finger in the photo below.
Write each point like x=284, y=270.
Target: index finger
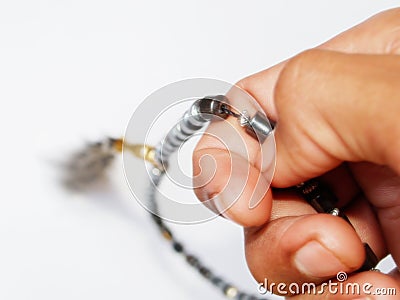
x=379, y=34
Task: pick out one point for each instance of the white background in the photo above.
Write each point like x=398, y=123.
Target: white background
x=72, y=71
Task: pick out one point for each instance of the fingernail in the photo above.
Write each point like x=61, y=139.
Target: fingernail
x=314, y=260
x=215, y=182
x=224, y=179
x=230, y=194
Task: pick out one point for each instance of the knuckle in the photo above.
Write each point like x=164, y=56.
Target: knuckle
x=246, y=83
x=294, y=76
x=388, y=23
x=242, y=83
x=389, y=17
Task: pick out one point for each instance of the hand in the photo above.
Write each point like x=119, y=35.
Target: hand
x=337, y=108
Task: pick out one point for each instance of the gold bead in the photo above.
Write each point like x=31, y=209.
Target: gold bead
x=166, y=234
x=145, y=152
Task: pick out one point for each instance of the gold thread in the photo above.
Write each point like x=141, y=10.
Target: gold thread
x=145, y=152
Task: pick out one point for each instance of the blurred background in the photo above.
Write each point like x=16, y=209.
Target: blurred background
x=74, y=71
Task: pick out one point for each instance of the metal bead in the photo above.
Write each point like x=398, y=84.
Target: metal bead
x=258, y=127
x=188, y=127
x=156, y=172
x=244, y=119
x=205, y=272
x=217, y=281
x=231, y=292
x=193, y=261
x=207, y=108
x=178, y=132
x=193, y=116
x=173, y=139
x=177, y=247
x=376, y=270
x=335, y=212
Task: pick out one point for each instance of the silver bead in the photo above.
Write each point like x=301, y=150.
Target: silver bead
x=335, y=212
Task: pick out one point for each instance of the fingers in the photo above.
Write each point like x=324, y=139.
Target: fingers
x=243, y=170
x=261, y=85
x=377, y=35
x=311, y=248
x=339, y=181
x=380, y=34
x=278, y=251
x=382, y=187
x=239, y=183
x=327, y=103
x=323, y=98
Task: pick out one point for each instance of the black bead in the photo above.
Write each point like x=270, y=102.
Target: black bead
x=157, y=220
x=216, y=281
x=225, y=287
x=319, y=196
x=177, y=247
x=205, y=272
x=193, y=261
x=241, y=296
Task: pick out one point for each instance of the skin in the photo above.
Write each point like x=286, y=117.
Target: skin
x=349, y=90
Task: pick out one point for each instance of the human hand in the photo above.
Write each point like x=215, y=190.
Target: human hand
x=337, y=110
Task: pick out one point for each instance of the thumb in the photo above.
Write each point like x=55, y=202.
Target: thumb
x=334, y=107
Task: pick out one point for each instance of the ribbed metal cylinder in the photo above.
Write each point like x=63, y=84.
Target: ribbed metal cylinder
x=188, y=125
